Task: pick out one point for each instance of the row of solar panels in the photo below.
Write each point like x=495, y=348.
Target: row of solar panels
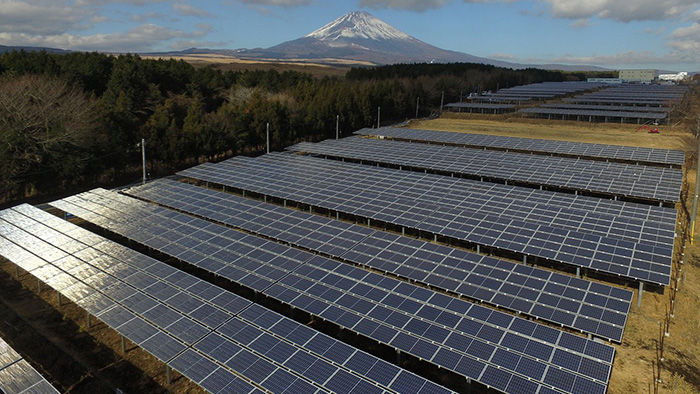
x=634, y=95
x=499, y=350
x=562, y=148
x=576, y=303
x=605, y=107
x=425, y=202
x=546, y=90
x=590, y=115
x=17, y=376
x=475, y=107
x=655, y=184
x=218, y=340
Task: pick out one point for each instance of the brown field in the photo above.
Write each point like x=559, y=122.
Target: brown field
x=636, y=357
x=328, y=68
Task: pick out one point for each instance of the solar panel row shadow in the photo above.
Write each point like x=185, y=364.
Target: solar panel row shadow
x=656, y=184
x=17, y=376
x=217, y=331
x=546, y=295
x=496, y=349
x=395, y=197
x=567, y=148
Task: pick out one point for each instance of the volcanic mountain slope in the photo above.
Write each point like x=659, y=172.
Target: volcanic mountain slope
x=359, y=36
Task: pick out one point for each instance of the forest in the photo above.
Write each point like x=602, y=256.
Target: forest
x=71, y=122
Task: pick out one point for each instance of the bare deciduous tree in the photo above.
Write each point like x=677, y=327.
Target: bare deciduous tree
x=41, y=119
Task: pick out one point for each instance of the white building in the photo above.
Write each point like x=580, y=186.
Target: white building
x=674, y=77
x=639, y=76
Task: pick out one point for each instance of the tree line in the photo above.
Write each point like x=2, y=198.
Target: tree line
x=73, y=121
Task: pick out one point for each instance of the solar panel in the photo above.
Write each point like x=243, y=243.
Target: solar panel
x=411, y=319
x=640, y=116
x=135, y=310
x=17, y=376
x=413, y=201
x=653, y=156
x=516, y=287
x=655, y=184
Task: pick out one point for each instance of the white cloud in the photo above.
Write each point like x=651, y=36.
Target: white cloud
x=581, y=23
x=280, y=3
x=686, y=39
x=40, y=17
x=142, y=38
x=103, y=2
x=148, y=16
x=188, y=10
x=624, y=11
x=409, y=5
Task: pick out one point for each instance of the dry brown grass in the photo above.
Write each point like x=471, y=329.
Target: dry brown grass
x=603, y=133
x=227, y=63
x=632, y=370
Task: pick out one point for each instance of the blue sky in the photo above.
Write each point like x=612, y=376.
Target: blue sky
x=662, y=34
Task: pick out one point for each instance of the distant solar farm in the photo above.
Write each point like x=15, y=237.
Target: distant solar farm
x=392, y=261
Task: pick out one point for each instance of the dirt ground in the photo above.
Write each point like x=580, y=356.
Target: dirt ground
x=636, y=360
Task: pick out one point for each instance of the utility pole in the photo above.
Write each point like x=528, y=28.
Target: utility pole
x=143, y=159
x=417, y=105
x=442, y=101
x=268, y=137
x=337, y=126
x=379, y=117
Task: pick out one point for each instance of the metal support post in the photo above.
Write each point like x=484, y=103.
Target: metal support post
x=641, y=291
x=268, y=137
x=143, y=159
x=87, y=318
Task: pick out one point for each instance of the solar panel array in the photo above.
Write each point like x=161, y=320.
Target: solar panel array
x=499, y=350
x=606, y=107
x=434, y=204
x=590, y=307
x=638, y=95
x=656, y=184
x=623, y=102
x=540, y=91
x=563, y=148
x=590, y=115
x=17, y=376
x=215, y=338
x=481, y=107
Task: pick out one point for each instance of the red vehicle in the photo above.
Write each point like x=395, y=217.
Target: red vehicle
x=655, y=130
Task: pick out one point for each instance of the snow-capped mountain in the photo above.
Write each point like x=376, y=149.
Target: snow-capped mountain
x=360, y=37
x=358, y=25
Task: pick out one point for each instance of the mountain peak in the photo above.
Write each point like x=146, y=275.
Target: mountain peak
x=358, y=25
